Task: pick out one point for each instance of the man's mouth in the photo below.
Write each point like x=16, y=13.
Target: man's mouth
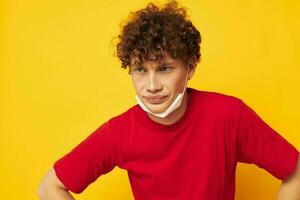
x=155, y=99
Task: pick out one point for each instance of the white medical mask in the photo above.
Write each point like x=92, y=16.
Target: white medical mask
x=174, y=105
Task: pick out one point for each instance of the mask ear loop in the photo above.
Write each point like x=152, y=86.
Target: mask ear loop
x=186, y=80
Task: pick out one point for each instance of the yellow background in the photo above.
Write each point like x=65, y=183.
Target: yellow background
x=60, y=81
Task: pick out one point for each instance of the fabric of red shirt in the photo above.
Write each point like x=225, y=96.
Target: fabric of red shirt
x=195, y=158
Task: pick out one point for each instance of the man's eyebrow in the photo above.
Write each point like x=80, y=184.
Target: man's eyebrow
x=133, y=64
x=159, y=64
x=165, y=63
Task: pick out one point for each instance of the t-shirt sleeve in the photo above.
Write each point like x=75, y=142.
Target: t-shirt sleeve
x=94, y=156
x=259, y=144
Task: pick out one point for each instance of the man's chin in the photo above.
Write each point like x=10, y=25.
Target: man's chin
x=156, y=108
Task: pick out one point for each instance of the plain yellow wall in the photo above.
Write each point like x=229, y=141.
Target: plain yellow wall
x=60, y=81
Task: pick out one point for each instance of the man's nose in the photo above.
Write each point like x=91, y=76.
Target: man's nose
x=153, y=83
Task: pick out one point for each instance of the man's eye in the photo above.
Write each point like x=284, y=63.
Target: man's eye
x=165, y=68
x=139, y=69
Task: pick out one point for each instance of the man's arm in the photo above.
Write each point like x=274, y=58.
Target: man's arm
x=51, y=188
x=290, y=188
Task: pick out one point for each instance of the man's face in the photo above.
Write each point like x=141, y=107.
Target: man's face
x=158, y=83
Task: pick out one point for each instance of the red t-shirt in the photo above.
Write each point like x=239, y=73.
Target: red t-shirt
x=195, y=158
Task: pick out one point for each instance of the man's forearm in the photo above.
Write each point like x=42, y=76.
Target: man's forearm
x=290, y=188
x=54, y=194
x=289, y=192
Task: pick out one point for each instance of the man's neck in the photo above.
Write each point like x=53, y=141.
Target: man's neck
x=175, y=115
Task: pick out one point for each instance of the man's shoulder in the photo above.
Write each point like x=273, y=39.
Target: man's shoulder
x=215, y=97
x=217, y=102
x=123, y=118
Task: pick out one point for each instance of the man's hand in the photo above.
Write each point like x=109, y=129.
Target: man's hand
x=290, y=188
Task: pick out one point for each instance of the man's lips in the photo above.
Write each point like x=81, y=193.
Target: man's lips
x=155, y=99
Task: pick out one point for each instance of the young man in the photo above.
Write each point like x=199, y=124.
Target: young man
x=177, y=142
